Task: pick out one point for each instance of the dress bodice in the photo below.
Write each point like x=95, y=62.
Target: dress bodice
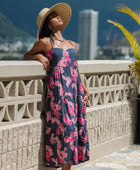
x=59, y=57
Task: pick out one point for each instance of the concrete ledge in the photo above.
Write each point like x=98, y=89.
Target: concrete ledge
x=20, y=69
x=103, y=66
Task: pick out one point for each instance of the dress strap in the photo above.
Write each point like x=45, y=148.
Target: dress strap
x=51, y=42
x=71, y=42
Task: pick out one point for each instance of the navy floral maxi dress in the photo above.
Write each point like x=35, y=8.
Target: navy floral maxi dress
x=66, y=133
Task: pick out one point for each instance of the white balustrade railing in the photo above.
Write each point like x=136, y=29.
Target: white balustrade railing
x=110, y=114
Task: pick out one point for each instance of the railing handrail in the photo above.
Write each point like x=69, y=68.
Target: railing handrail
x=32, y=68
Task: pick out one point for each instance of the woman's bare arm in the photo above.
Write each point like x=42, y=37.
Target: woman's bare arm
x=38, y=51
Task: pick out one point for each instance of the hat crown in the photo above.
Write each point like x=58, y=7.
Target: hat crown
x=41, y=15
x=62, y=9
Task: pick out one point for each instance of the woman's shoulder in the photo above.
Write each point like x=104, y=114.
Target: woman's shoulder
x=44, y=43
x=44, y=40
x=73, y=42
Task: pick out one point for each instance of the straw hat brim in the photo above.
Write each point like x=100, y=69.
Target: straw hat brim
x=63, y=10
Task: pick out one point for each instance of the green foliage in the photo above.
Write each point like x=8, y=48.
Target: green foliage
x=133, y=14
x=132, y=40
x=10, y=58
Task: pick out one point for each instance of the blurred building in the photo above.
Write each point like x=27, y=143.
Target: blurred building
x=88, y=30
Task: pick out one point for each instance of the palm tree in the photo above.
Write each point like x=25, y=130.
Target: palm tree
x=132, y=40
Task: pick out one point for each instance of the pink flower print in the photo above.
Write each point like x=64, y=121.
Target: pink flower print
x=61, y=91
x=87, y=153
x=81, y=155
x=74, y=79
x=56, y=108
x=84, y=107
x=49, y=54
x=67, y=120
x=76, y=109
x=70, y=107
x=76, y=153
x=66, y=139
x=51, y=82
x=56, y=73
x=64, y=59
x=49, y=152
x=74, y=86
x=63, y=155
x=51, y=94
x=81, y=88
x=62, y=129
x=61, y=159
x=75, y=63
x=65, y=53
x=52, y=102
x=56, y=113
x=48, y=115
x=54, y=119
x=72, y=146
x=81, y=98
x=69, y=94
x=81, y=131
x=85, y=139
x=81, y=152
x=62, y=70
x=58, y=131
x=61, y=62
x=72, y=139
x=75, y=72
x=75, y=132
x=68, y=80
x=75, y=158
x=55, y=160
x=66, y=63
x=74, y=75
x=68, y=59
x=59, y=145
x=54, y=140
x=81, y=148
x=48, y=130
x=82, y=121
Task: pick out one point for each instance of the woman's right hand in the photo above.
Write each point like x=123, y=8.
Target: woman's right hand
x=44, y=61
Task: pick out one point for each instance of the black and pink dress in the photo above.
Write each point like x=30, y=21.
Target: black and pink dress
x=66, y=134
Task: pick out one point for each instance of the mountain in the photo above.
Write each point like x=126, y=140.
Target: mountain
x=23, y=14
x=9, y=30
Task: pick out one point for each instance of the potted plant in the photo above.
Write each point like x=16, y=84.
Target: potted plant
x=135, y=66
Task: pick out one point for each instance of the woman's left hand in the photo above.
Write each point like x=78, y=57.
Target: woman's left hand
x=85, y=99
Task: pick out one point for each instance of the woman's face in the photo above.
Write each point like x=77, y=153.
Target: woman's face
x=55, y=20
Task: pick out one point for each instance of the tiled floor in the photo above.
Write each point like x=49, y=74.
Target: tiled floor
x=125, y=159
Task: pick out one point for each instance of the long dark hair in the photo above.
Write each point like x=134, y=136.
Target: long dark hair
x=46, y=30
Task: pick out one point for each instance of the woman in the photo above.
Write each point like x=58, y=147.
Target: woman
x=66, y=137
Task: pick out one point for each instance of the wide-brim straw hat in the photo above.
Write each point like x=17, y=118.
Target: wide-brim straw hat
x=62, y=9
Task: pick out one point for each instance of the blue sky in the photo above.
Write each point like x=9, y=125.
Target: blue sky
x=24, y=13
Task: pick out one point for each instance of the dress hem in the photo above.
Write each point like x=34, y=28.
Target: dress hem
x=69, y=163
